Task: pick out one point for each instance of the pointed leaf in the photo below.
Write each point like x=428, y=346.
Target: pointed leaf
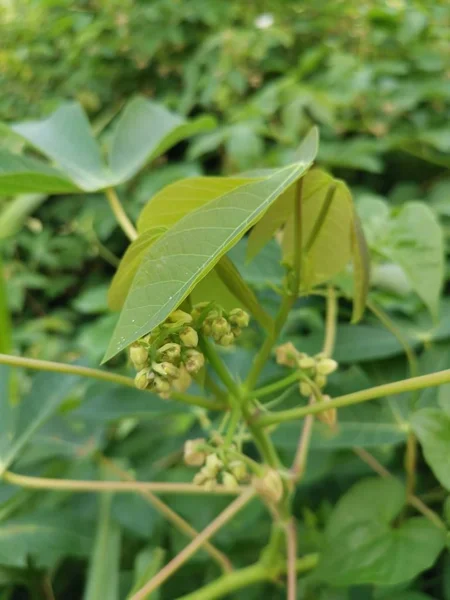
x=65, y=137
x=22, y=174
x=182, y=197
x=361, y=269
x=145, y=131
x=326, y=229
x=432, y=427
x=189, y=250
x=103, y=577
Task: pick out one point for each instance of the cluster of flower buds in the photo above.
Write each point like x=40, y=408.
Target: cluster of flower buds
x=167, y=358
x=224, y=327
x=215, y=468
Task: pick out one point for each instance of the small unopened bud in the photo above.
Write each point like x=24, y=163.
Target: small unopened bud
x=239, y=317
x=305, y=389
x=329, y=417
x=161, y=386
x=210, y=484
x=166, y=369
x=287, y=355
x=306, y=362
x=226, y=340
x=170, y=351
x=183, y=381
x=213, y=465
x=138, y=356
x=179, y=316
x=321, y=381
x=189, y=337
x=198, y=309
x=192, y=455
x=238, y=469
x=236, y=331
x=269, y=486
x=326, y=366
x=220, y=327
x=200, y=478
x=143, y=378
x=195, y=361
x=230, y=481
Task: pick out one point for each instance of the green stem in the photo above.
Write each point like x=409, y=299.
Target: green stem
x=388, y=389
x=46, y=365
x=120, y=214
x=277, y=385
x=232, y=425
x=219, y=367
x=262, y=440
x=237, y=580
x=263, y=354
x=330, y=322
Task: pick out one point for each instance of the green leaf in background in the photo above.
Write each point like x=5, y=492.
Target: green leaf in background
x=361, y=269
x=66, y=138
x=148, y=562
x=432, y=427
x=104, y=566
x=189, y=250
x=47, y=538
x=46, y=394
x=22, y=174
x=410, y=237
x=361, y=545
x=144, y=131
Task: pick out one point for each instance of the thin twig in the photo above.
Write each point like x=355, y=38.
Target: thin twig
x=330, y=322
x=291, y=550
x=156, y=581
x=170, y=515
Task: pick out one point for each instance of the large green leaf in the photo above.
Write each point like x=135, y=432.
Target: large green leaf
x=432, y=427
x=22, y=174
x=190, y=249
x=66, y=138
x=103, y=577
x=363, y=547
x=326, y=229
x=20, y=422
x=46, y=538
x=146, y=130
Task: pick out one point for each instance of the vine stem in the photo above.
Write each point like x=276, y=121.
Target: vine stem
x=56, y=367
x=277, y=385
x=80, y=485
x=388, y=389
x=120, y=214
x=156, y=581
x=170, y=515
x=258, y=573
x=291, y=551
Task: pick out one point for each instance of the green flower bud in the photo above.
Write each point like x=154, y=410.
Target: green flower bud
x=166, y=369
x=270, y=486
x=179, y=316
x=213, y=314
x=220, y=327
x=213, y=465
x=329, y=417
x=321, y=381
x=183, y=381
x=226, y=340
x=229, y=481
x=306, y=362
x=236, y=331
x=170, y=352
x=198, y=309
x=138, y=356
x=189, y=337
x=192, y=455
x=210, y=485
x=143, y=379
x=200, y=478
x=206, y=328
x=195, y=361
x=239, y=317
x=305, y=389
x=326, y=366
x=238, y=469
x=161, y=386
